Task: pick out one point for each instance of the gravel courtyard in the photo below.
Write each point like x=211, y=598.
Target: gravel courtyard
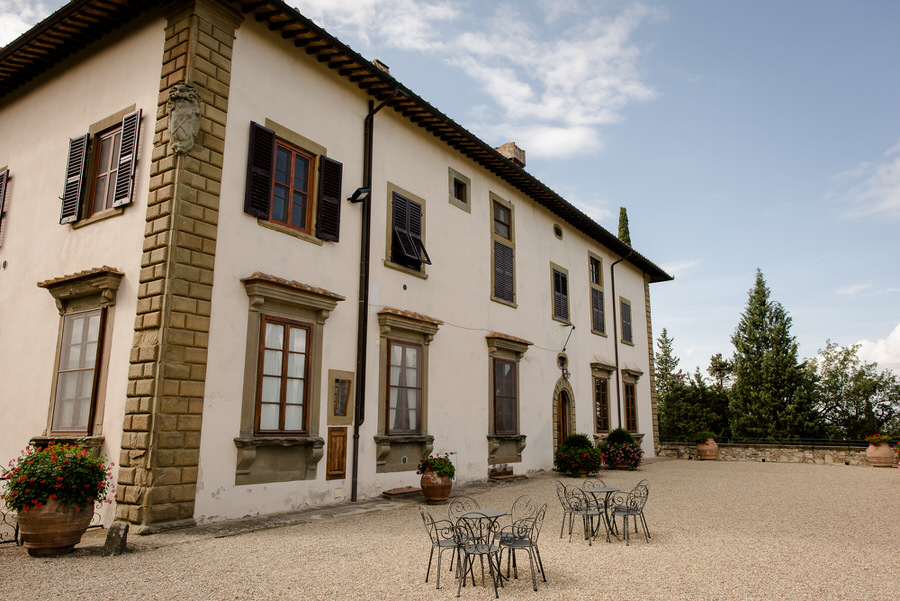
x=721, y=531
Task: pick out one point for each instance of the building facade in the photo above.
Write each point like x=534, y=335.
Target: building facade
x=259, y=273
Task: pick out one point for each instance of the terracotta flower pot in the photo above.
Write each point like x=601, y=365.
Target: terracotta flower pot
x=881, y=455
x=52, y=529
x=435, y=488
x=708, y=450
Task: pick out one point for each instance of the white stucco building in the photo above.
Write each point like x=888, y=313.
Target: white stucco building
x=259, y=273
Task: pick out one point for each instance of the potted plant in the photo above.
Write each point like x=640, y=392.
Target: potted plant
x=879, y=453
x=620, y=450
x=706, y=445
x=437, y=472
x=577, y=456
x=53, y=490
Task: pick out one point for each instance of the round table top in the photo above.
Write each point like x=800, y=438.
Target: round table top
x=477, y=513
x=600, y=489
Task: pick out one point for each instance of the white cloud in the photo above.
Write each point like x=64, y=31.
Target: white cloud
x=885, y=352
x=677, y=268
x=18, y=16
x=553, y=79
x=871, y=189
x=852, y=290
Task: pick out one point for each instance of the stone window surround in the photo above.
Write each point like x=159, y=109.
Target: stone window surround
x=398, y=453
x=389, y=237
x=271, y=295
x=453, y=176
x=504, y=448
x=510, y=242
x=554, y=268
x=82, y=291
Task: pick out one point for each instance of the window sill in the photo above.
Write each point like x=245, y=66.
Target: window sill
x=82, y=440
x=290, y=231
x=567, y=322
x=602, y=334
x=262, y=459
x=415, y=273
x=503, y=301
x=102, y=216
x=505, y=448
x=401, y=452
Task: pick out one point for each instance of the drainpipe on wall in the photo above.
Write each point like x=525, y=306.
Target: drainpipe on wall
x=359, y=413
x=612, y=277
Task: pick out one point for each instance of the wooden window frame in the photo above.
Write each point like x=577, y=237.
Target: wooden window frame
x=559, y=305
x=403, y=385
x=629, y=394
x=293, y=152
x=512, y=400
x=601, y=405
x=82, y=165
x=307, y=362
x=324, y=178
x=595, y=285
x=503, y=253
x=60, y=372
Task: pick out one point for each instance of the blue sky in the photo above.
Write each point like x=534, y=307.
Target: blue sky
x=739, y=135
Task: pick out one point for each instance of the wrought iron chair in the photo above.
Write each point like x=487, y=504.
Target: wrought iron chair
x=522, y=535
x=441, y=534
x=523, y=507
x=580, y=505
x=598, y=503
x=475, y=535
x=631, y=505
x=567, y=511
x=593, y=483
x=461, y=504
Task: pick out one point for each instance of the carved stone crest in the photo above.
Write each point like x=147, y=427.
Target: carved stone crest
x=184, y=117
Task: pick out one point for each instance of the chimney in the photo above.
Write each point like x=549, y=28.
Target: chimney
x=513, y=153
x=381, y=66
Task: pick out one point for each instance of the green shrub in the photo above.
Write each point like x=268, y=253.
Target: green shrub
x=619, y=435
x=578, y=441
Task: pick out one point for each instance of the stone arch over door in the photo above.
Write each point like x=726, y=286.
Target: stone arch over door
x=563, y=412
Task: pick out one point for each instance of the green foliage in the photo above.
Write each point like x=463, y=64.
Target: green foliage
x=620, y=435
x=624, y=236
x=771, y=397
x=578, y=441
x=439, y=464
x=691, y=407
x=67, y=473
x=667, y=372
x=853, y=398
x=721, y=371
x=704, y=435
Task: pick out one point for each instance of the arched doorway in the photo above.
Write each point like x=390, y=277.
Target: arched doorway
x=563, y=412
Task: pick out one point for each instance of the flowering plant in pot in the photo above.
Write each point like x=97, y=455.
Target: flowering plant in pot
x=437, y=474
x=621, y=450
x=879, y=453
x=53, y=489
x=577, y=456
x=706, y=445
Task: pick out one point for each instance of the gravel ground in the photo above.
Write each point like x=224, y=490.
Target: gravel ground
x=720, y=531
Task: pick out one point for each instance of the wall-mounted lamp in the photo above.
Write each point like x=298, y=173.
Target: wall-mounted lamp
x=360, y=195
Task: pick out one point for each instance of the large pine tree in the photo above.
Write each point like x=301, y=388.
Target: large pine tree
x=667, y=372
x=770, y=398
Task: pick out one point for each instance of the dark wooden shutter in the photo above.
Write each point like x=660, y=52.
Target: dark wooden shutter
x=259, y=171
x=403, y=250
x=4, y=175
x=597, y=317
x=328, y=220
x=504, y=268
x=337, y=454
x=415, y=231
x=626, y=321
x=131, y=129
x=71, y=199
x=560, y=295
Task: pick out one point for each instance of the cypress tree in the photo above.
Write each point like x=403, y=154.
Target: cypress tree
x=667, y=372
x=624, y=236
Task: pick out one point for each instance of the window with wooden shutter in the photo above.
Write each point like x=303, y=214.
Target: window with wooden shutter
x=328, y=220
x=560, y=295
x=260, y=160
x=4, y=176
x=626, y=320
x=407, y=246
x=630, y=407
x=503, y=254
x=601, y=404
x=100, y=168
x=505, y=397
x=336, y=466
x=504, y=270
x=597, y=319
x=127, y=157
x=75, y=164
